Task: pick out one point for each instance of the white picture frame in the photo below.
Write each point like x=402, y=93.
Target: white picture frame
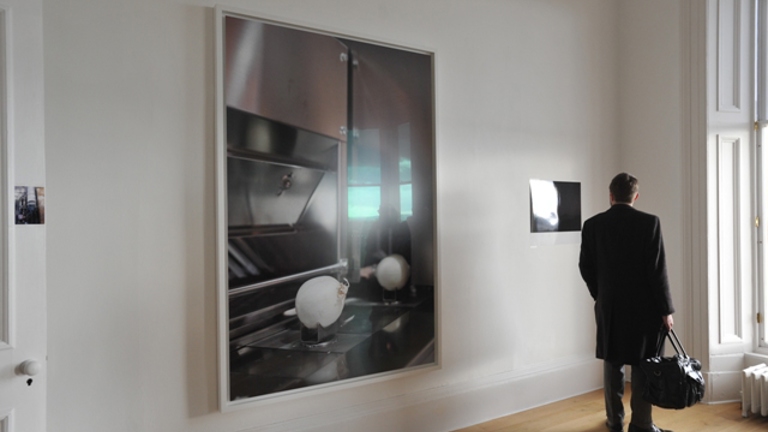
x=421, y=292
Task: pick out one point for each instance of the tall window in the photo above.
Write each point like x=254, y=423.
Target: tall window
x=761, y=138
x=364, y=176
x=366, y=181
x=404, y=170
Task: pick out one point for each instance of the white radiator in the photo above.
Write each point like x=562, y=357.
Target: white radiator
x=754, y=390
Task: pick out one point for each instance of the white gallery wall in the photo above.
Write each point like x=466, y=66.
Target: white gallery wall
x=554, y=89
x=652, y=137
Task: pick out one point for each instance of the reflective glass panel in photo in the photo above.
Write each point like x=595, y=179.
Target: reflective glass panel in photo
x=330, y=198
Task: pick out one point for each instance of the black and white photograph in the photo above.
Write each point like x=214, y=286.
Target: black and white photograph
x=329, y=201
x=555, y=206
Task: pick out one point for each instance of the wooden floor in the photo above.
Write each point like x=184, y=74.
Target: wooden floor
x=586, y=413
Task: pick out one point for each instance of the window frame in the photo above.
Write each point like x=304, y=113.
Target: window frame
x=760, y=90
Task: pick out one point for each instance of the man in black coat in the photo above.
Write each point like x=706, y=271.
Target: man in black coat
x=623, y=263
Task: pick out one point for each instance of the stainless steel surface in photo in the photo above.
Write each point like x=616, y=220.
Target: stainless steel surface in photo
x=310, y=117
x=291, y=76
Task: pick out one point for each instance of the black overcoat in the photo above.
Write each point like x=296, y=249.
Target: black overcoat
x=623, y=263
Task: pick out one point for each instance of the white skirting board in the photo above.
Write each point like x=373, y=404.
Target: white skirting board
x=458, y=405
x=722, y=387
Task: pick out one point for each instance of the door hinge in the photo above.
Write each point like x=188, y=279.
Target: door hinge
x=757, y=221
x=757, y=125
x=759, y=318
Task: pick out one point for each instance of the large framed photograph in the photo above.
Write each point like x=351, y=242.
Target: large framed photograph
x=325, y=209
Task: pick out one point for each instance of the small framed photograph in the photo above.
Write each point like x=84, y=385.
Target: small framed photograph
x=30, y=205
x=555, y=206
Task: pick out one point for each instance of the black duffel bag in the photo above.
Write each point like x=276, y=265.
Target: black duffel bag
x=672, y=382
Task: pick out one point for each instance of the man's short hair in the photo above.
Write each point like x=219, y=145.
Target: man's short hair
x=623, y=188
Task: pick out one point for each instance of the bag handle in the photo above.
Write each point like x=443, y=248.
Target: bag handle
x=674, y=342
x=677, y=343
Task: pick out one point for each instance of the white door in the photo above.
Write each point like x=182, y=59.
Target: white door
x=22, y=247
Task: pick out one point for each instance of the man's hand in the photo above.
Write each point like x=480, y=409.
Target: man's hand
x=668, y=322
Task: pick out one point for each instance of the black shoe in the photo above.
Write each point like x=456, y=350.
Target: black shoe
x=614, y=428
x=654, y=428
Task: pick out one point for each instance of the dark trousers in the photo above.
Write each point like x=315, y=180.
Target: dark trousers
x=613, y=382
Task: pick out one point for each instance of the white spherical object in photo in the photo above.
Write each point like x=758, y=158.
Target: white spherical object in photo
x=392, y=272
x=320, y=301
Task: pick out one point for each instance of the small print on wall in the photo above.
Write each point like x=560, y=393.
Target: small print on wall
x=555, y=206
x=30, y=205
